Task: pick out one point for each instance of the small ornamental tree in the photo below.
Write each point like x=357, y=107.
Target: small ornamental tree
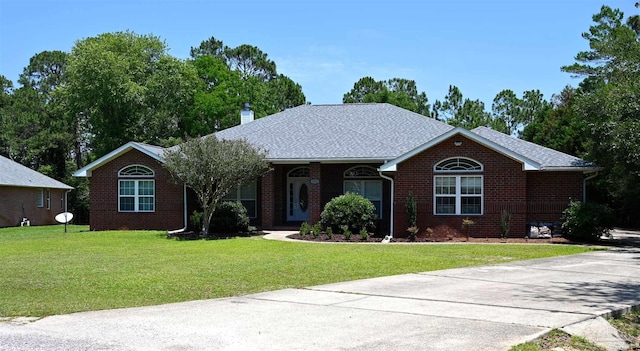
x=212, y=167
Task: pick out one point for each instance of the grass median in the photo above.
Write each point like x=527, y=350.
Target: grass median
x=44, y=271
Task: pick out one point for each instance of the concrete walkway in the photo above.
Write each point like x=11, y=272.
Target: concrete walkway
x=479, y=308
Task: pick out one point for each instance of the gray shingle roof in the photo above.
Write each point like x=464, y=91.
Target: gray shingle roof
x=546, y=157
x=14, y=174
x=339, y=132
x=361, y=132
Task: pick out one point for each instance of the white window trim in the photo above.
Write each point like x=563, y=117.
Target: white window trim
x=40, y=198
x=369, y=180
x=48, y=198
x=136, y=196
x=373, y=173
x=458, y=195
x=458, y=170
x=237, y=197
x=151, y=175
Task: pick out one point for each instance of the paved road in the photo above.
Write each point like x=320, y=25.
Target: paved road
x=480, y=308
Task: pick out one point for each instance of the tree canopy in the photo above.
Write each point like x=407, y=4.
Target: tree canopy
x=396, y=91
x=129, y=88
x=608, y=102
x=232, y=77
x=212, y=167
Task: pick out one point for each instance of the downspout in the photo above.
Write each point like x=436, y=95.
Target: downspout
x=584, y=185
x=170, y=232
x=66, y=199
x=392, y=200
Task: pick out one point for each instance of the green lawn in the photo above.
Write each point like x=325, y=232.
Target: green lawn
x=44, y=271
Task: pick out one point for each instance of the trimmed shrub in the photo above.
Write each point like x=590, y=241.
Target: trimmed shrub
x=316, y=230
x=346, y=232
x=329, y=233
x=350, y=209
x=229, y=217
x=587, y=221
x=364, y=234
x=305, y=229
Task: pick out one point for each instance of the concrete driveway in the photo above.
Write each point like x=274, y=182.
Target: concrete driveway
x=480, y=308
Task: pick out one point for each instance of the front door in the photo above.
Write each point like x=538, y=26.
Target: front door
x=298, y=199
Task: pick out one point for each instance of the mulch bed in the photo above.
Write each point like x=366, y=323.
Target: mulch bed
x=190, y=235
x=357, y=239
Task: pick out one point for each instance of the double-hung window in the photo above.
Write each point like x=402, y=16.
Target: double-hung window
x=40, y=197
x=136, y=189
x=246, y=194
x=365, y=181
x=458, y=187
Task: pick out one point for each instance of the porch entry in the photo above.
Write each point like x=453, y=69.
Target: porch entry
x=298, y=194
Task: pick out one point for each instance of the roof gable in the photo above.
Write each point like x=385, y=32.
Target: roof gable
x=155, y=152
x=533, y=157
x=15, y=174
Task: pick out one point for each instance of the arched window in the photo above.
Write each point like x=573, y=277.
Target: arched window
x=136, y=171
x=136, y=195
x=361, y=172
x=461, y=193
x=457, y=164
x=365, y=180
x=300, y=172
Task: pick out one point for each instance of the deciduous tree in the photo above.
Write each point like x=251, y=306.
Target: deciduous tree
x=396, y=91
x=212, y=167
x=128, y=88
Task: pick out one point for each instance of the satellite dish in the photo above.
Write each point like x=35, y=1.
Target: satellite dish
x=64, y=217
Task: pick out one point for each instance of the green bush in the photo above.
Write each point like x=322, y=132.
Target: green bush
x=329, y=233
x=305, y=229
x=316, y=230
x=364, y=234
x=352, y=210
x=229, y=217
x=196, y=220
x=346, y=232
x=587, y=221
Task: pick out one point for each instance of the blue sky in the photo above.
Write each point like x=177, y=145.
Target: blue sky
x=326, y=46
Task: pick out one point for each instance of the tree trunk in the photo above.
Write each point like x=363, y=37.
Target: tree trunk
x=206, y=221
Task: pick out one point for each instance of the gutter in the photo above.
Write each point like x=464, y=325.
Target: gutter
x=171, y=232
x=392, y=201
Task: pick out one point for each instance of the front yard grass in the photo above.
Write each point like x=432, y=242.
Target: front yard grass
x=44, y=271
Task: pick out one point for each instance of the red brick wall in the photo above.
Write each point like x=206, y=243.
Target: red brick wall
x=505, y=187
x=549, y=193
x=331, y=185
x=315, y=207
x=15, y=200
x=266, y=202
x=104, y=215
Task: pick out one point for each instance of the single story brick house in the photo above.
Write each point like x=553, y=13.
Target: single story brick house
x=27, y=196
x=378, y=150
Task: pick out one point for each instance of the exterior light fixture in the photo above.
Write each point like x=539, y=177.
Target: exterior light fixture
x=457, y=142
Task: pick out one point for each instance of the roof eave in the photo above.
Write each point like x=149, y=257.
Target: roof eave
x=86, y=170
x=327, y=160
x=585, y=169
x=527, y=164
